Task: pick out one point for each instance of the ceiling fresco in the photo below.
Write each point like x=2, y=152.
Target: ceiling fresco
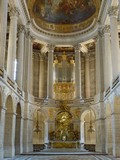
x=63, y=15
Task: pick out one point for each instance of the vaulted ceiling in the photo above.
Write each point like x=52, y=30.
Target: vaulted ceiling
x=63, y=16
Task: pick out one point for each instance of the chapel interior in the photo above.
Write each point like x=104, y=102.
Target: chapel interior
x=59, y=76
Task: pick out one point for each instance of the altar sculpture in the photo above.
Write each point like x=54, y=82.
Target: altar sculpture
x=64, y=135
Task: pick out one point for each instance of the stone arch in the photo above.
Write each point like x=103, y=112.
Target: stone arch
x=108, y=128
x=18, y=130
x=88, y=138
x=8, y=134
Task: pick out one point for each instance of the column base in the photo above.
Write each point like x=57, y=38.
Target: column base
x=9, y=151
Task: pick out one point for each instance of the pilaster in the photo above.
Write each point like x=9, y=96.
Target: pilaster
x=87, y=75
x=3, y=30
x=50, y=71
x=77, y=71
x=113, y=11
x=107, y=57
x=19, y=77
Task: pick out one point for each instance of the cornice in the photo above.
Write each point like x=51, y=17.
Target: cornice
x=102, y=8
x=25, y=10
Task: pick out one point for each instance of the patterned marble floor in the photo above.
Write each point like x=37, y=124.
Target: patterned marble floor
x=62, y=154
x=63, y=157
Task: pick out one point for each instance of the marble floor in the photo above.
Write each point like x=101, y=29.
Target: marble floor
x=62, y=157
x=63, y=154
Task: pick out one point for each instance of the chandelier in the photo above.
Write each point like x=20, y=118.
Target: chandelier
x=91, y=129
x=37, y=127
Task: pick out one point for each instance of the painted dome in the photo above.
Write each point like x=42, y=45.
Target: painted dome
x=63, y=16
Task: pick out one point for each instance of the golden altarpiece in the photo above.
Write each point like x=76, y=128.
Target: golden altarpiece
x=65, y=133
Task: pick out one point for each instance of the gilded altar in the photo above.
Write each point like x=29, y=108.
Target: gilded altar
x=64, y=144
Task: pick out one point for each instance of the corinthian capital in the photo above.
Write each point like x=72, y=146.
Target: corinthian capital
x=14, y=11
x=77, y=47
x=106, y=29
x=21, y=28
x=50, y=47
x=113, y=11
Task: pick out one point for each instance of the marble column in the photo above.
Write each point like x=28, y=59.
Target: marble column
x=50, y=71
x=56, y=69
x=87, y=75
x=2, y=126
x=31, y=65
x=109, y=136
x=119, y=10
x=19, y=77
x=114, y=41
x=107, y=57
x=12, y=42
x=82, y=140
x=41, y=77
x=72, y=70
x=3, y=30
x=28, y=135
x=99, y=63
x=27, y=78
x=9, y=136
x=77, y=71
x=100, y=136
x=46, y=139
x=21, y=135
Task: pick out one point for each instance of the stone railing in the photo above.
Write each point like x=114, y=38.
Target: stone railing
x=7, y=80
x=1, y=73
x=113, y=85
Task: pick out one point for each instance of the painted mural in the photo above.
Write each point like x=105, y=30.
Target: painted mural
x=64, y=11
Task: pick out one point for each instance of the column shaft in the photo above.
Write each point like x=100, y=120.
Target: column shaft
x=31, y=66
x=116, y=134
x=100, y=136
x=78, y=72
x=99, y=64
x=27, y=78
x=3, y=30
x=50, y=72
x=19, y=77
x=107, y=58
x=46, y=140
x=12, y=42
x=41, y=77
x=2, y=126
x=87, y=76
x=114, y=41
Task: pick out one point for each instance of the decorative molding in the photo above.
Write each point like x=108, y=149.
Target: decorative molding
x=77, y=47
x=113, y=11
x=21, y=28
x=106, y=29
x=14, y=11
x=51, y=47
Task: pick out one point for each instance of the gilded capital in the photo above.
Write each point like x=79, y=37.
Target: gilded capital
x=113, y=11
